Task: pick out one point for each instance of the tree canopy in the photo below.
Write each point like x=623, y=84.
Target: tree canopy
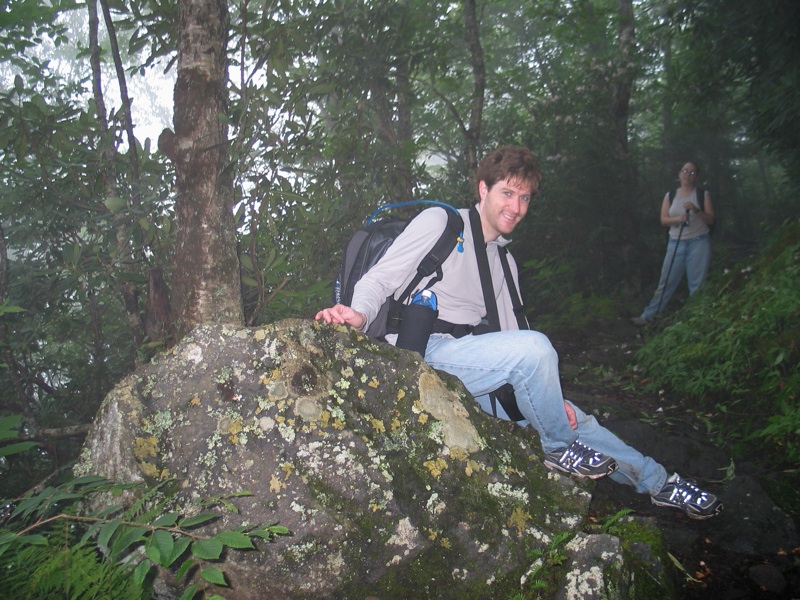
x=326, y=109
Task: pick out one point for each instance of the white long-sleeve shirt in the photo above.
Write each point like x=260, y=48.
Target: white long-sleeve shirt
x=459, y=293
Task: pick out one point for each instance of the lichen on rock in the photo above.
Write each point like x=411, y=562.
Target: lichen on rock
x=391, y=480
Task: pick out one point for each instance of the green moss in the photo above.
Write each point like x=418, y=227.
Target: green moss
x=646, y=561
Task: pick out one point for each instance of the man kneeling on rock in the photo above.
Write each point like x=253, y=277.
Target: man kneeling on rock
x=509, y=353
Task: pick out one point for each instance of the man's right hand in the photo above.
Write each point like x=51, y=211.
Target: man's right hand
x=339, y=313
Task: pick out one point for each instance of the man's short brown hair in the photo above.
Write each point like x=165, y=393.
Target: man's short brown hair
x=512, y=163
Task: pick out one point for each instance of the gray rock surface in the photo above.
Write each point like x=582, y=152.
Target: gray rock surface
x=391, y=480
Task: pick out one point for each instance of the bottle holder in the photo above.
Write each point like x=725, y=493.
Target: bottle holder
x=416, y=327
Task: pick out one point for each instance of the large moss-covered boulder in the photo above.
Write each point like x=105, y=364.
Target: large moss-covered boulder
x=391, y=480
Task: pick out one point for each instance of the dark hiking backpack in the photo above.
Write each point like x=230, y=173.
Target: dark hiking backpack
x=368, y=245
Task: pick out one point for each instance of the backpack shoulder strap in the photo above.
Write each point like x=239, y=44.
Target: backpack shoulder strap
x=504, y=394
x=492, y=315
x=516, y=301
x=432, y=263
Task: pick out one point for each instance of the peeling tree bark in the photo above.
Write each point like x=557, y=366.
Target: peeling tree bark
x=206, y=285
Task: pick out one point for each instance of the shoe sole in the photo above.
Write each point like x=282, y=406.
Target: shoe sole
x=555, y=466
x=691, y=515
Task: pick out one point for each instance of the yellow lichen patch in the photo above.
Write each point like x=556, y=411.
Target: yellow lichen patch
x=472, y=467
x=275, y=484
x=459, y=453
x=431, y=534
x=445, y=543
x=259, y=334
x=401, y=394
x=145, y=448
x=235, y=427
x=435, y=466
x=288, y=469
x=149, y=469
x=423, y=418
x=234, y=439
x=519, y=519
x=373, y=383
x=276, y=374
x=325, y=418
x=378, y=425
x=338, y=424
x=396, y=424
x=375, y=507
x=195, y=401
x=361, y=394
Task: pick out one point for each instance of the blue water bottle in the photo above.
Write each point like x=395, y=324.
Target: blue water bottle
x=418, y=320
x=425, y=298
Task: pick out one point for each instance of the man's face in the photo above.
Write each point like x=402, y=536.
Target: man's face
x=503, y=206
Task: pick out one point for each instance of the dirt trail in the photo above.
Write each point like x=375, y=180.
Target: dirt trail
x=751, y=550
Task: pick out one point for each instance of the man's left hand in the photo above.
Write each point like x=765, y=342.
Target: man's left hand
x=573, y=420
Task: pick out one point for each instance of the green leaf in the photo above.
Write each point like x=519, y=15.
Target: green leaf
x=184, y=568
x=33, y=539
x=197, y=519
x=279, y=529
x=17, y=448
x=189, y=592
x=153, y=553
x=163, y=541
x=234, y=539
x=115, y=204
x=167, y=520
x=106, y=532
x=129, y=538
x=213, y=575
x=268, y=532
x=177, y=551
x=87, y=480
x=9, y=308
x=207, y=549
x=140, y=573
x=9, y=425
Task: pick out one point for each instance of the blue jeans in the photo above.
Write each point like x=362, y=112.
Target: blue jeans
x=691, y=258
x=528, y=361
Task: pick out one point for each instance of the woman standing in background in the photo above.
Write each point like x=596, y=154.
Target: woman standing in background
x=689, y=215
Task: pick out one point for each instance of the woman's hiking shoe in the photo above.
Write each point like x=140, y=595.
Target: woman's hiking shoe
x=685, y=495
x=581, y=461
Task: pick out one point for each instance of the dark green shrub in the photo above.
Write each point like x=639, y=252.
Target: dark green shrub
x=737, y=344
x=51, y=546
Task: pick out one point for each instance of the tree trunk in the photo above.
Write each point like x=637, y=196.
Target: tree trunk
x=206, y=286
x=473, y=133
x=625, y=75
x=667, y=106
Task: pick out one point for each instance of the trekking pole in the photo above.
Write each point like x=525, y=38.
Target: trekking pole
x=669, y=270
